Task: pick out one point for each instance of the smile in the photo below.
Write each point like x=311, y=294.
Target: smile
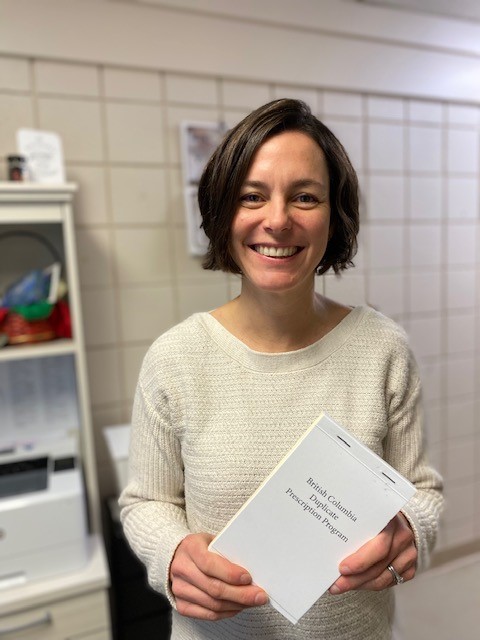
x=275, y=252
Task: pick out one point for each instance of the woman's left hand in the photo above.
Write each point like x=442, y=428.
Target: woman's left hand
x=367, y=567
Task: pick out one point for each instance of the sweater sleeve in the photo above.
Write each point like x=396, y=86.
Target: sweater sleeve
x=152, y=504
x=405, y=450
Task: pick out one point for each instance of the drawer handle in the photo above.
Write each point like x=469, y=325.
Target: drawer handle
x=40, y=622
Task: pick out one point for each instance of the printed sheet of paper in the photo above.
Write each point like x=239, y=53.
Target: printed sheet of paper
x=325, y=499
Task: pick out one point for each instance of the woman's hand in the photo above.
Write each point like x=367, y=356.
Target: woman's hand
x=207, y=586
x=367, y=567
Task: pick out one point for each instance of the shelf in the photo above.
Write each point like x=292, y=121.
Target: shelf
x=11, y=191
x=39, y=350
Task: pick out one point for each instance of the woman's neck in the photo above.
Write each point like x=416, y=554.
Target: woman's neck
x=275, y=323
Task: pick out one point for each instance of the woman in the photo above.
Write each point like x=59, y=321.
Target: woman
x=224, y=395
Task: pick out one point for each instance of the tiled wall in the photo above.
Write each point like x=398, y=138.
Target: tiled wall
x=419, y=255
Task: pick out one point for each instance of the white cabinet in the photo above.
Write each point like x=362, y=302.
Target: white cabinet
x=72, y=605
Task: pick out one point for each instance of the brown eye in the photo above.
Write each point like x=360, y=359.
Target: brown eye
x=251, y=199
x=306, y=198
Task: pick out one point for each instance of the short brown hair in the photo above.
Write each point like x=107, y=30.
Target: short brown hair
x=225, y=172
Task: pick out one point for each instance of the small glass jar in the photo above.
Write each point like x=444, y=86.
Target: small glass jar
x=17, y=168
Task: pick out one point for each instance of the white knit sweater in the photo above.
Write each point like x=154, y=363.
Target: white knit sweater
x=212, y=418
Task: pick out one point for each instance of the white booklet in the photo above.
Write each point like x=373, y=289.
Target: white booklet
x=323, y=501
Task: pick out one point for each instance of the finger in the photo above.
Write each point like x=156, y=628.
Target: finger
x=378, y=576
x=386, y=579
x=391, y=541
x=193, y=610
x=188, y=593
x=195, y=549
x=213, y=593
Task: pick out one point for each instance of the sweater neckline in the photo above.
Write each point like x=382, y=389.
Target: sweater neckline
x=287, y=361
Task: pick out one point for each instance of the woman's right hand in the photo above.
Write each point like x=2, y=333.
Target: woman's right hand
x=206, y=585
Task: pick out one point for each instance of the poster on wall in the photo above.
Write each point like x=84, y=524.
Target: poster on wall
x=198, y=140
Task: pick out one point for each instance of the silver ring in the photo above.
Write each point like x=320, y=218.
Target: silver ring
x=396, y=576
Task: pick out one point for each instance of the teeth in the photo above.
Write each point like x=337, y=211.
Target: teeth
x=276, y=252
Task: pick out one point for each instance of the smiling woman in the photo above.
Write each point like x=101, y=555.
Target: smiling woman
x=224, y=395
x=226, y=175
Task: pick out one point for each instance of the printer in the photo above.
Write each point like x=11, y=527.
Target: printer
x=43, y=528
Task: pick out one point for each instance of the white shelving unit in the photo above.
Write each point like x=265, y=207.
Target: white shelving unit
x=51, y=607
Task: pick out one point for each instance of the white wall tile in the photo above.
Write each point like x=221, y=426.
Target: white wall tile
x=460, y=501
x=424, y=292
x=385, y=108
x=90, y=204
x=460, y=532
x=460, y=459
x=245, y=94
x=460, y=377
x=463, y=114
x=132, y=85
x=386, y=198
x=461, y=244
x=350, y=135
x=78, y=123
x=175, y=207
x=188, y=266
x=94, y=251
x=425, y=246
x=425, y=111
x=348, y=288
x=104, y=376
x=386, y=292
x=100, y=317
x=425, y=148
x=138, y=195
x=201, y=296
x=135, y=133
x=432, y=376
x=67, y=79
x=146, y=312
x=342, y=104
x=425, y=335
x=425, y=198
x=15, y=112
x=235, y=286
x=461, y=289
x=463, y=200
x=142, y=256
x=385, y=147
x=460, y=419
x=460, y=333
x=462, y=151
x=191, y=89
x=386, y=246
x=14, y=74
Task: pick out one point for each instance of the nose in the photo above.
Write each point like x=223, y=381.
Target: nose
x=277, y=217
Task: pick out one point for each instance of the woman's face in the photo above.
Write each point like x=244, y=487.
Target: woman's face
x=281, y=227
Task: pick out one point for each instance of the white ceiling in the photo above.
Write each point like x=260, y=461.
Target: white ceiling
x=460, y=9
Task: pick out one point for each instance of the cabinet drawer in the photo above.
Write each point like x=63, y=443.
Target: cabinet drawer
x=83, y=617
